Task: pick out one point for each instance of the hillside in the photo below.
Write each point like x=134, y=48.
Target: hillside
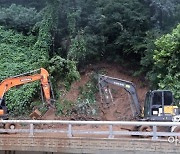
x=120, y=109
x=64, y=36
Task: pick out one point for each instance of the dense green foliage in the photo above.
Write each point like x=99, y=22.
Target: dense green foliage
x=63, y=35
x=15, y=50
x=167, y=63
x=19, y=18
x=20, y=54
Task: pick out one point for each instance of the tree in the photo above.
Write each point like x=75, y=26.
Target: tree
x=166, y=62
x=164, y=13
x=19, y=18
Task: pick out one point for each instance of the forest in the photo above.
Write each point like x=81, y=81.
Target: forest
x=64, y=36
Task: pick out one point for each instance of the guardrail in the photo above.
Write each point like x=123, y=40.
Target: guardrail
x=70, y=132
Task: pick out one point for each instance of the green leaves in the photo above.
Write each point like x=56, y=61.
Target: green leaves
x=167, y=62
x=21, y=53
x=19, y=100
x=15, y=51
x=15, y=58
x=19, y=17
x=64, y=69
x=78, y=49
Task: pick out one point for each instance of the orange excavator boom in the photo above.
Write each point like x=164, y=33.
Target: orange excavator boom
x=21, y=79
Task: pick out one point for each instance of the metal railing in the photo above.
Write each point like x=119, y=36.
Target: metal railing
x=70, y=131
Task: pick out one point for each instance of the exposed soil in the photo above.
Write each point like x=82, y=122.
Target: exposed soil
x=120, y=109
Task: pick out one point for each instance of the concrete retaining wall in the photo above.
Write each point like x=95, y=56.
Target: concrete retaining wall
x=86, y=145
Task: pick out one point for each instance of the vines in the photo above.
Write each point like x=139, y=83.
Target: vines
x=46, y=29
x=21, y=53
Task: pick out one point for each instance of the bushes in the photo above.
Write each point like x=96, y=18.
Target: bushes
x=15, y=58
x=15, y=53
x=63, y=69
x=166, y=64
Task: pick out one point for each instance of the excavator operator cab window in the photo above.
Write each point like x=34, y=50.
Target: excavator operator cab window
x=161, y=99
x=157, y=98
x=168, y=98
x=147, y=105
x=157, y=102
x=3, y=102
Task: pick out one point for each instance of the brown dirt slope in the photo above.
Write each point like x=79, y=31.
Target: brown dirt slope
x=120, y=109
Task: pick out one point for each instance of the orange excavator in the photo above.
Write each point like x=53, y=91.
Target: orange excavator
x=21, y=79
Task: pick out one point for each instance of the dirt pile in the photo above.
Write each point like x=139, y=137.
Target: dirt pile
x=120, y=109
